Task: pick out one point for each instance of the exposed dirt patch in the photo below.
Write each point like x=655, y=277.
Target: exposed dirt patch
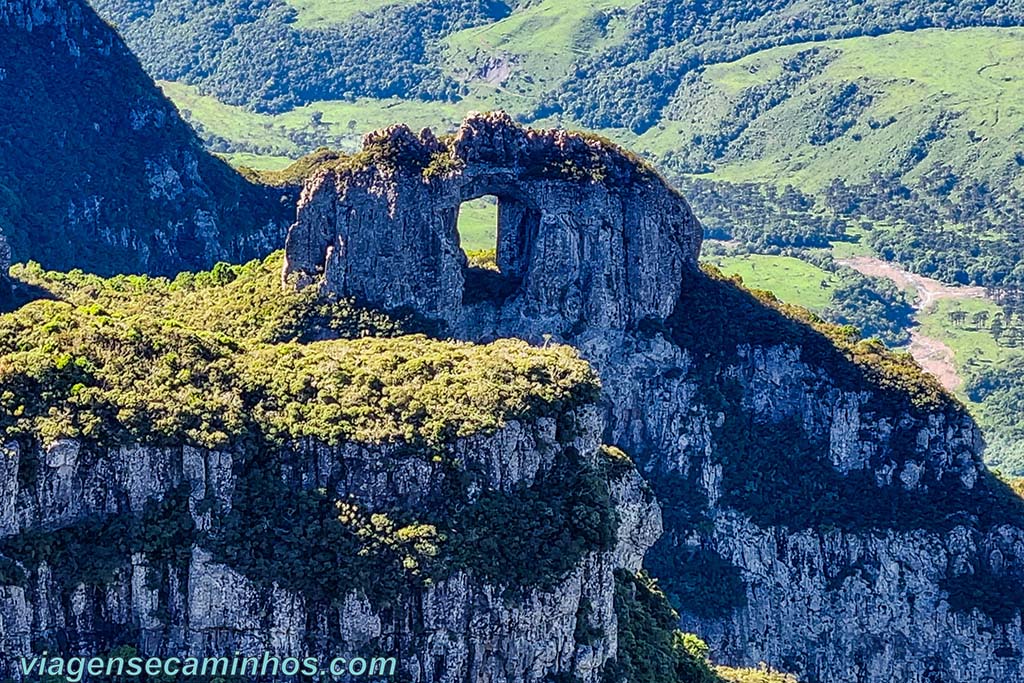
x=493, y=70
x=936, y=358
x=928, y=290
x=932, y=354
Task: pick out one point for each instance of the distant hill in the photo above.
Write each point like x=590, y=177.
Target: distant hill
x=97, y=169
x=606, y=63
x=272, y=55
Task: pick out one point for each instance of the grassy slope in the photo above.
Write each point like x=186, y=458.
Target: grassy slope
x=970, y=344
x=977, y=352
x=792, y=280
x=314, y=13
x=257, y=161
x=478, y=224
x=342, y=126
x=913, y=77
x=541, y=40
x=236, y=124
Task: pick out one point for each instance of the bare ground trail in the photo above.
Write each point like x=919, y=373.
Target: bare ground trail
x=936, y=358
x=932, y=354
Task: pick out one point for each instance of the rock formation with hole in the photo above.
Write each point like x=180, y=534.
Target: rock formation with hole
x=826, y=507
x=588, y=236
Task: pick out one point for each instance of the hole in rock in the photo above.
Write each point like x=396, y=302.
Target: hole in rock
x=497, y=232
x=478, y=230
x=478, y=235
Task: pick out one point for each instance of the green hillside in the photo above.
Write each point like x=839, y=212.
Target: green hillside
x=520, y=58
x=272, y=56
x=606, y=63
x=854, y=107
x=321, y=13
x=845, y=108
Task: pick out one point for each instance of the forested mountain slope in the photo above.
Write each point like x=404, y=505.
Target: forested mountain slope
x=262, y=54
x=634, y=55
x=97, y=169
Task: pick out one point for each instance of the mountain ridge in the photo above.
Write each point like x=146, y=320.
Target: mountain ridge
x=800, y=470
x=233, y=457
x=128, y=187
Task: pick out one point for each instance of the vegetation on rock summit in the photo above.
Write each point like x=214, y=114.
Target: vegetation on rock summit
x=226, y=357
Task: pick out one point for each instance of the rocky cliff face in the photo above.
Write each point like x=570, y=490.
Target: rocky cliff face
x=826, y=509
x=97, y=169
x=851, y=542
x=587, y=235
x=199, y=601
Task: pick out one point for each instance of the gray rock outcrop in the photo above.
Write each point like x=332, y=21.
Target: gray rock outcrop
x=851, y=580
x=588, y=236
x=458, y=628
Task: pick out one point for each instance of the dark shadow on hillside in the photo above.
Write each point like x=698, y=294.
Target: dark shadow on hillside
x=14, y=295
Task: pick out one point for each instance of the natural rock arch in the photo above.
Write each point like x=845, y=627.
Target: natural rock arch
x=519, y=219
x=589, y=235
